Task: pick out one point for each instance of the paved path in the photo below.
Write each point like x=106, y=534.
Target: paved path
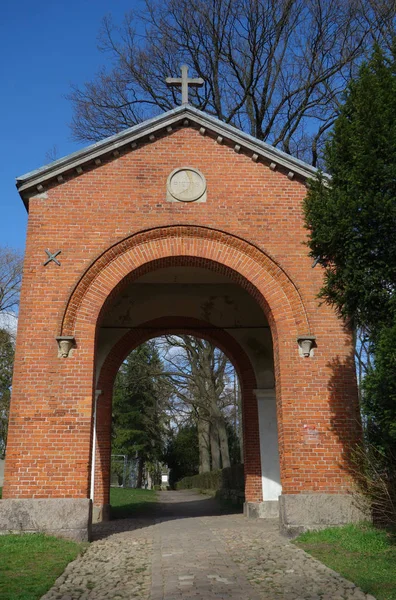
x=190, y=550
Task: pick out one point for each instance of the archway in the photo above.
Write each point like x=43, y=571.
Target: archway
x=246, y=267
x=118, y=226
x=293, y=415
x=236, y=325
x=251, y=435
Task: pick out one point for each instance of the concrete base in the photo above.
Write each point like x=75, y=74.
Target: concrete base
x=304, y=512
x=64, y=517
x=261, y=510
x=101, y=513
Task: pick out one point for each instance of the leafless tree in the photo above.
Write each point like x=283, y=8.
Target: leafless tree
x=10, y=278
x=10, y=284
x=52, y=154
x=274, y=68
x=200, y=373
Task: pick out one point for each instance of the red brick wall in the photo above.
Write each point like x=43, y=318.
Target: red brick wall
x=113, y=223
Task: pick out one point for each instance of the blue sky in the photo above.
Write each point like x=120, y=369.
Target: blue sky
x=45, y=46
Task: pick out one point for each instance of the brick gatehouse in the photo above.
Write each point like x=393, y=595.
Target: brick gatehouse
x=181, y=223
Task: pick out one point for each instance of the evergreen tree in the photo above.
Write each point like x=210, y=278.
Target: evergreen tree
x=379, y=398
x=352, y=221
x=182, y=453
x=352, y=225
x=138, y=407
x=6, y=366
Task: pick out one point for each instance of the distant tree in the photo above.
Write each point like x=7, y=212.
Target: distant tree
x=11, y=264
x=52, y=154
x=352, y=224
x=276, y=69
x=182, y=454
x=6, y=367
x=233, y=444
x=200, y=374
x=138, y=408
x=10, y=285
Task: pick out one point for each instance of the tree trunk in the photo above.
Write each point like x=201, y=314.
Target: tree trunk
x=218, y=426
x=203, y=444
x=240, y=421
x=139, y=481
x=225, y=454
x=214, y=446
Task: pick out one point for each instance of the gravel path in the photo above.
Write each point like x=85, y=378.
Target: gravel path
x=190, y=550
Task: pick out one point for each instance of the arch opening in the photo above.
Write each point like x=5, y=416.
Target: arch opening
x=176, y=413
x=193, y=301
x=189, y=245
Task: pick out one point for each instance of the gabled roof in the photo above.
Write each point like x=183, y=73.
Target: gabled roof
x=54, y=173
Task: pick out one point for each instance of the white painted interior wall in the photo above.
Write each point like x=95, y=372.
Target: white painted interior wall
x=269, y=448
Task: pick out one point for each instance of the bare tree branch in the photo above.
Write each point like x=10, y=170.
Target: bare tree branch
x=10, y=279
x=275, y=68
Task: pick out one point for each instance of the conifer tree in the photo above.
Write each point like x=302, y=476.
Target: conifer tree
x=182, y=454
x=352, y=223
x=6, y=367
x=138, y=414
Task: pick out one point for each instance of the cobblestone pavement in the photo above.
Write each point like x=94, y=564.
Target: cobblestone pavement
x=190, y=550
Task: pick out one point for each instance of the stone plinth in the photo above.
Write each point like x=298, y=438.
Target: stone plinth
x=101, y=513
x=64, y=517
x=304, y=512
x=261, y=510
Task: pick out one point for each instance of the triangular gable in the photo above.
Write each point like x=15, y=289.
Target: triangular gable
x=52, y=174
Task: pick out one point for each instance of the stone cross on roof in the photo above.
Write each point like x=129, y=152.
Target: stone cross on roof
x=184, y=81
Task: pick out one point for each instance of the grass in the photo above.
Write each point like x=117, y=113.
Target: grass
x=360, y=553
x=30, y=564
x=130, y=502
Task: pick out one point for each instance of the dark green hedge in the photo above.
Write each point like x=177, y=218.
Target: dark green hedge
x=230, y=480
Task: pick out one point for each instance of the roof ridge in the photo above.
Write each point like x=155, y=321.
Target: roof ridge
x=224, y=132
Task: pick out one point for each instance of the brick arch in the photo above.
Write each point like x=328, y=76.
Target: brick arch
x=189, y=326
x=240, y=260
x=176, y=325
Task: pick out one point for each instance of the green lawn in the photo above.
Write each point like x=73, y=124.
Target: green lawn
x=361, y=553
x=30, y=564
x=129, y=502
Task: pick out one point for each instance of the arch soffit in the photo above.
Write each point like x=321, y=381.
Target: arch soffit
x=246, y=264
x=177, y=326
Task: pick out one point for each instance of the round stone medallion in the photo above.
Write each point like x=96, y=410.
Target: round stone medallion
x=186, y=184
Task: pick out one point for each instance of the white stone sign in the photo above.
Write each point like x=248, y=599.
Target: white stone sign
x=186, y=185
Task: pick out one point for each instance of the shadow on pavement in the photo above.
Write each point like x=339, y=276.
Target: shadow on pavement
x=186, y=504
x=171, y=505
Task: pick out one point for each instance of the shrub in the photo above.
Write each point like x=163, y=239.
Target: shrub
x=229, y=479
x=375, y=473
